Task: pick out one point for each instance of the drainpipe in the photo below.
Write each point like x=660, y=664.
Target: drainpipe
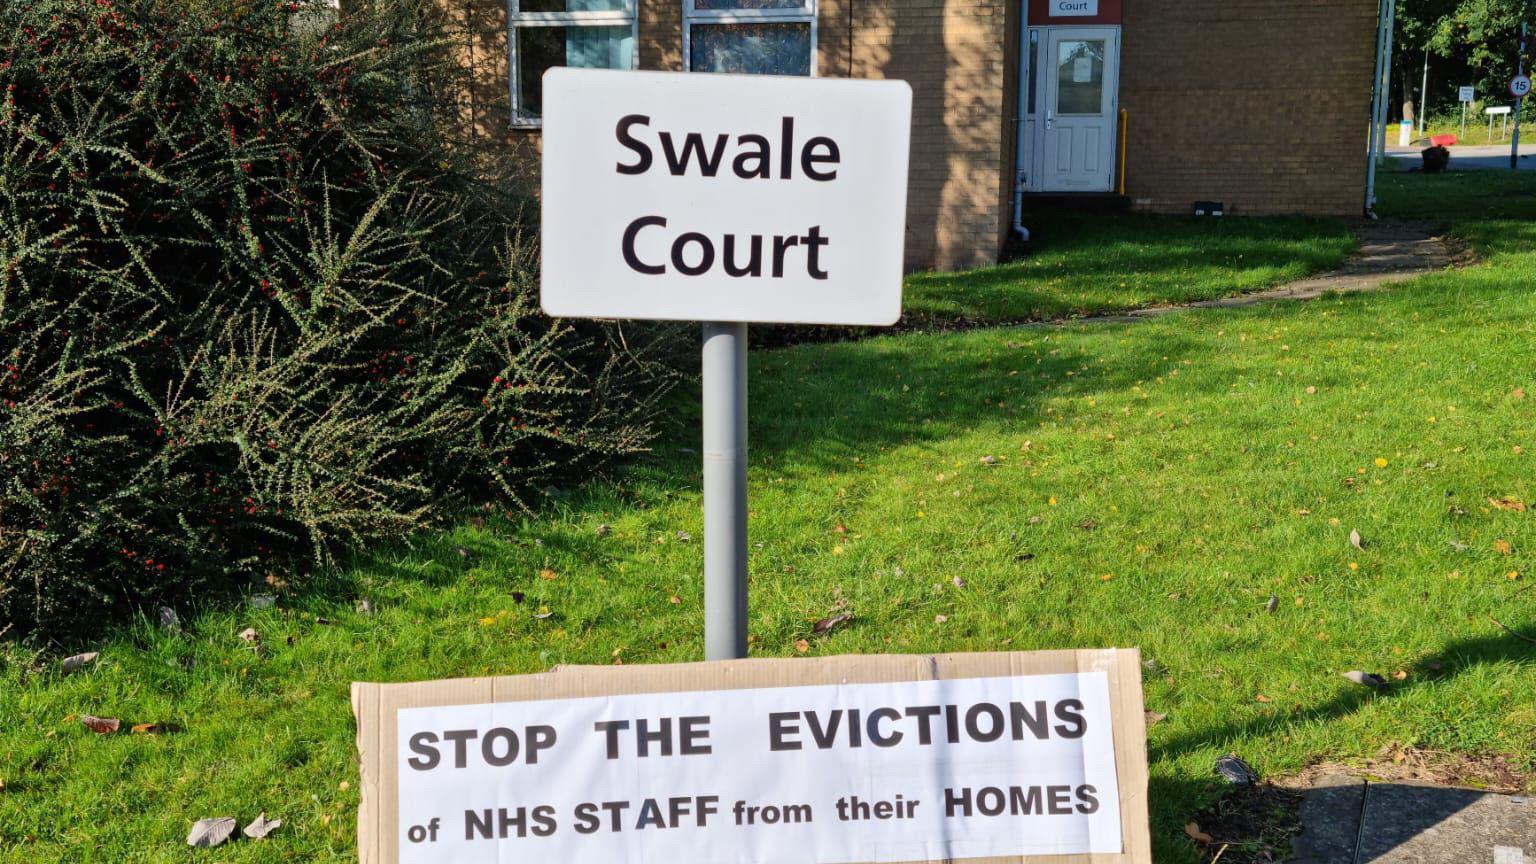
x=1021, y=99
x=1387, y=10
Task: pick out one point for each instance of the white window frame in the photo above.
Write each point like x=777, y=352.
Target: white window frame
x=518, y=19
x=804, y=14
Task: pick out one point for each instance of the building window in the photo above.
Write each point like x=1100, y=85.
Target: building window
x=756, y=37
x=596, y=34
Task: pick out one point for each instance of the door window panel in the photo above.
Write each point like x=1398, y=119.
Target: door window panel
x=1080, y=76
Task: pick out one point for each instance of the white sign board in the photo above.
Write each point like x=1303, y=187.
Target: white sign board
x=931, y=770
x=1466, y=94
x=1074, y=8
x=704, y=197
x=1520, y=86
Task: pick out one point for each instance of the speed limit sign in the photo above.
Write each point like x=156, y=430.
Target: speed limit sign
x=1519, y=86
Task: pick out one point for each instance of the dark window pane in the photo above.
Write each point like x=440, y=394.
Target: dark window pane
x=748, y=4
x=570, y=5
x=757, y=49
x=540, y=48
x=1034, y=63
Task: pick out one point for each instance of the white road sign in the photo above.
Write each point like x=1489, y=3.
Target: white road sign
x=905, y=771
x=703, y=197
x=1519, y=86
x=1466, y=94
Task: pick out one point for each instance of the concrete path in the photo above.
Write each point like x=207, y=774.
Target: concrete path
x=1390, y=250
x=1472, y=157
x=1347, y=819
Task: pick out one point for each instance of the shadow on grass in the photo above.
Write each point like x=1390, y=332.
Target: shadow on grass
x=1456, y=658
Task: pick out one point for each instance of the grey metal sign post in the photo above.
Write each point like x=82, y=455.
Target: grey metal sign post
x=725, y=491
x=724, y=199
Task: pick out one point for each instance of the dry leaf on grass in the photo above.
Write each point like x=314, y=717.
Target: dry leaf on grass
x=1354, y=539
x=79, y=661
x=1502, y=547
x=1195, y=834
x=546, y=574
x=1508, y=503
x=249, y=634
x=827, y=625
x=1366, y=679
x=101, y=725
x=802, y=645
x=261, y=826
x=207, y=833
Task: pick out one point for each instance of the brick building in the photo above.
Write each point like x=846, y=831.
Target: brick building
x=1262, y=105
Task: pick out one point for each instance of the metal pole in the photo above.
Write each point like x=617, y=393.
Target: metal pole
x=1370, y=146
x=725, y=491
x=1386, y=78
x=1424, y=92
x=1514, y=141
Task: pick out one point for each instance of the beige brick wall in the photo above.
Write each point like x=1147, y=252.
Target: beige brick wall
x=1260, y=104
x=951, y=52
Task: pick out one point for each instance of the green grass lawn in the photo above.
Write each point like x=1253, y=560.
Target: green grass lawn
x=1081, y=265
x=1154, y=484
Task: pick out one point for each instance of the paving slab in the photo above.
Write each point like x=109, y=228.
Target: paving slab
x=1330, y=821
x=1409, y=823
x=1349, y=820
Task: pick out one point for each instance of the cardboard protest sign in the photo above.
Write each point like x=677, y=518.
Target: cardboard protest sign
x=1003, y=757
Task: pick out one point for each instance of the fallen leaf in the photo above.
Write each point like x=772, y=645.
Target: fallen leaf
x=828, y=624
x=958, y=582
x=364, y=606
x=802, y=645
x=1401, y=674
x=1458, y=545
x=487, y=621
x=261, y=826
x=149, y=729
x=249, y=634
x=1366, y=679
x=1261, y=698
x=546, y=573
x=544, y=612
x=674, y=600
x=684, y=536
x=940, y=619
x=72, y=664
x=207, y=833
x=101, y=725
x=1272, y=604
x=1355, y=541
x=604, y=530
x=1195, y=834
x=1502, y=547
x=1508, y=503
x=1513, y=575
x=840, y=528
x=1234, y=770
x=988, y=460
x=1518, y=393
x=1153, y=718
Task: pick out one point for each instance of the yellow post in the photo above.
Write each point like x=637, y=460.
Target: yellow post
x=1124, y=121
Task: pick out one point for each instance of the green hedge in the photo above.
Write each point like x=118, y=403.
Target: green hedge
x=252, y=306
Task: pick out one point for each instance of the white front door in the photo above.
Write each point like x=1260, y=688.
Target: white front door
x=1076, y=111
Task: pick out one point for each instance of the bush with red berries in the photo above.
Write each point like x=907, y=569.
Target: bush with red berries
x=254, y=307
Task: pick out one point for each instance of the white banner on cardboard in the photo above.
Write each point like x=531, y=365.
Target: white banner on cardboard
x=904, y=771
x=691, y=197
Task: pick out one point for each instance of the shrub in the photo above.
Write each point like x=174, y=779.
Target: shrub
x=253, y=307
